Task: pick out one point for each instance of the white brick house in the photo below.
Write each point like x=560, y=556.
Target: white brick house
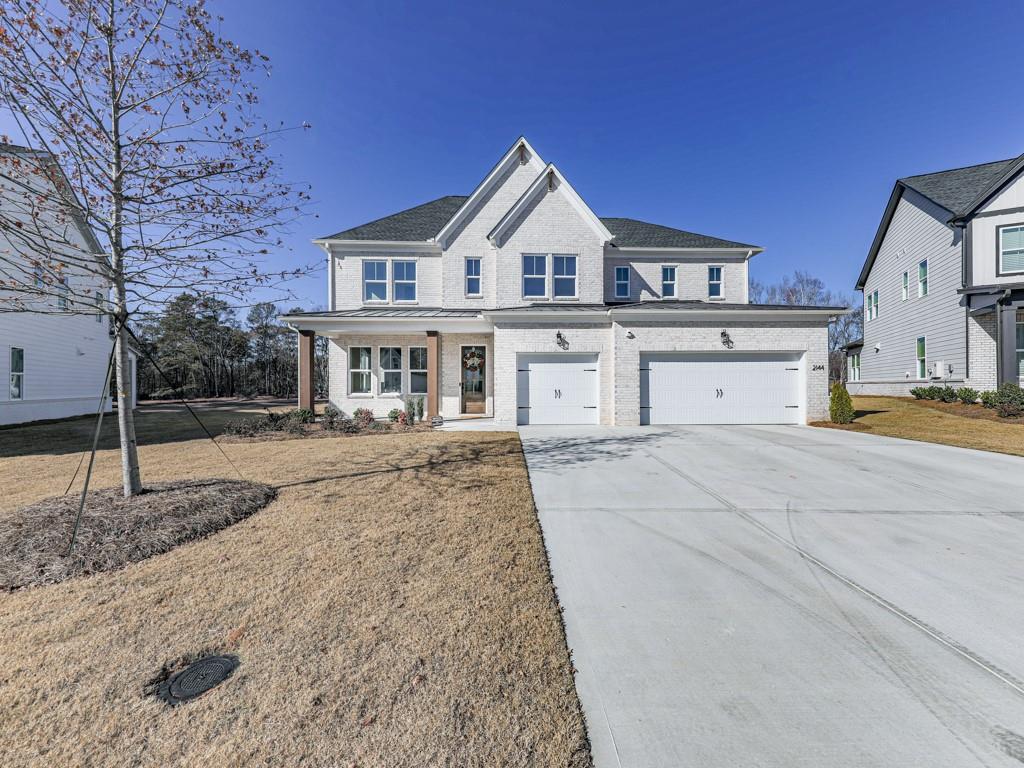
x=519, y=303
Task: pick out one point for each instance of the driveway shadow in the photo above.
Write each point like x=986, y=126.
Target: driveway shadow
x=560, y=451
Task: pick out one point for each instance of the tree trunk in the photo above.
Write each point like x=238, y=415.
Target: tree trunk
x=131, y=478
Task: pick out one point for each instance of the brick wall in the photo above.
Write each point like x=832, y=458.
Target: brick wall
x=981, y=351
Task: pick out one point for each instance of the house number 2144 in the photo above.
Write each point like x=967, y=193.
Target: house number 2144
x=818, y=368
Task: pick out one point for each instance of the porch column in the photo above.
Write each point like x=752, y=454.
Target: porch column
x=306, y=369
x=433, y=373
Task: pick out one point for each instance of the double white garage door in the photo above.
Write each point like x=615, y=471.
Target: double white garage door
x=675, y=388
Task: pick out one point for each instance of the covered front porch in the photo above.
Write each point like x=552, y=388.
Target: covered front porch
x=438, y=362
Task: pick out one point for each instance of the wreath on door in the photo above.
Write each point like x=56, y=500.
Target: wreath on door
x=472, y=361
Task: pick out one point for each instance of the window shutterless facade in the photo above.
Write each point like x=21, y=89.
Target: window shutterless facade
x=855, y=367
x=62, y=295
x=668, y=282
x=622, y=282
x=905, y=290
x=17, y=373
x=417, y=370
x=922, y=362
x=1020, y=349
x=922, y=279
x=375, y=281
x=564, y=267
x=390, y=370
x=473, y=282
x=359, y=378
x=1011, y=249
x=100, y=306
x=715, y=283
x=871, y=305
x=535, y=275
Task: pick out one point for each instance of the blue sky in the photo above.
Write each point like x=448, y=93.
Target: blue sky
x=778, y=124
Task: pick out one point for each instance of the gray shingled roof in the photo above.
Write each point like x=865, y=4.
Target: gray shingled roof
x=662, y=305
x=411, y=225
x=956, y=189
x=390, y=312
x=424, y=221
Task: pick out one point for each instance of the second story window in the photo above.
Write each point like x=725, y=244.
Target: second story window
x=565, y=276
x=622, y=282
x=905, y=294
x=404, y=277
x=871, y=305
x=1011, y=250
x=375, y=281
x=17, y=373
x=62, y=295
x=715, y=282
x=922, y=278
x=668, y=282
x=473, y=287
x=99, y=306
x=535, y=276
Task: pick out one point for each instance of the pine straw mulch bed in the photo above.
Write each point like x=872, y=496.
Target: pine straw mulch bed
x=975, y=411
x=317, y=430
x=115, y=531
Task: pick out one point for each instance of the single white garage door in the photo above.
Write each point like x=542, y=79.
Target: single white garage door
x=556, y=389
x=720, y=388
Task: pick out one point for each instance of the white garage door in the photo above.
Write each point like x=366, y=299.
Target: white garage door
x=720, y=388
x=556, y=389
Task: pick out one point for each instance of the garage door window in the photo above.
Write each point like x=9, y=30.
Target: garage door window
x=668, y=282
x=714, y=282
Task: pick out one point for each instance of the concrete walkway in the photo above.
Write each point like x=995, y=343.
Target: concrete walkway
x=787, y=596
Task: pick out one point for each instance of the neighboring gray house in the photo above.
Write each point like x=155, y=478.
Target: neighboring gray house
x=519, y=303
x=943, y=284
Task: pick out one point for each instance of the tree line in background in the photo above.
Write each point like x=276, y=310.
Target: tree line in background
x=803, y=289
x=205, y=350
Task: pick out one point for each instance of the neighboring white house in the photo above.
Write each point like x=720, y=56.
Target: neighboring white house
x=518, y=302
x=943, y=284
x=52, y=359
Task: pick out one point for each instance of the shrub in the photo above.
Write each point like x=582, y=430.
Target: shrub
x=410, y=414
x=1009, y=410
x=419, y=409
x=302, y=416
x=393, y=415
x=988, y=399
x=403, y=418
x=331, y=417
x=347, y=426
x=918, y=393
x=363, y=417
x=840, y=406
x=947, y=394
x=378, y=426
x=249, y=427
x=967, y=396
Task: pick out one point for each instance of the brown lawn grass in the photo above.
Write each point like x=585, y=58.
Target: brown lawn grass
x=392, y=607
x=931, y=423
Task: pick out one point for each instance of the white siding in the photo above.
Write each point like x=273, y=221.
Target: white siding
x=691, y=277
x=1006, y=208
x=916, y=232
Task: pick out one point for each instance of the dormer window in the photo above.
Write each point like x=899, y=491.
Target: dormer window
x=1011, y=250
x=404, y=279
x=375, y=281
x=715, y=283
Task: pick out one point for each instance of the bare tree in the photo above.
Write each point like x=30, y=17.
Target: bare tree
x=145, y=123
x=803, y=289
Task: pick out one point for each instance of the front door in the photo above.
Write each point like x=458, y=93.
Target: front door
x=474, y=372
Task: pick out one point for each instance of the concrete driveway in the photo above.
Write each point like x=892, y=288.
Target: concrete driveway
x=787, y=596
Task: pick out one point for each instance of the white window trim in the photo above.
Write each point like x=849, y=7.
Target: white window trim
x=466, y=277
x=919, y=361
x=922, y=285
x=548, y=267
x=13, y=373
x=871, y=305
x=424, y=371
x=674, y=282
x=626, y=282
x=855, y=366
x=63, y=295
x=1000, y=250
x=575, y=277
x=394, y=282
x=905, y=287
x=351, y=370
x=382, y=371
x=720, y=282
x=363, y=281
x=100, y=306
